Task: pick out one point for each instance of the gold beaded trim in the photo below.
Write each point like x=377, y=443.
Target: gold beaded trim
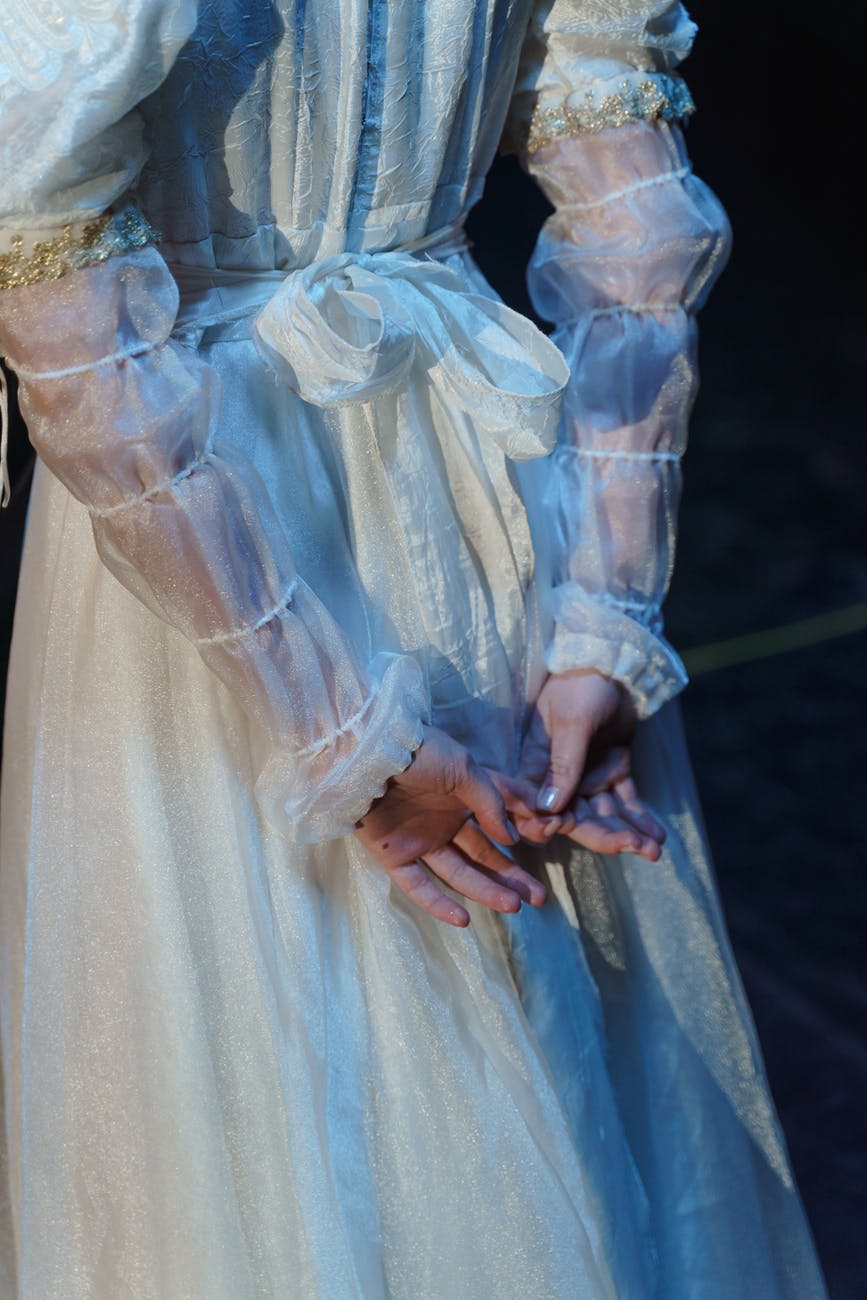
x=665, y=97
x=118, y=232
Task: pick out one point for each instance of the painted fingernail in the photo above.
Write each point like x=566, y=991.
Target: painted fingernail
x=547, y=798
x=551, y=827
x=513, y=830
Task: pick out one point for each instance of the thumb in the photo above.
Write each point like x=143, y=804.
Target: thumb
x=519, y=794
x=569, y=744
x=478, y=793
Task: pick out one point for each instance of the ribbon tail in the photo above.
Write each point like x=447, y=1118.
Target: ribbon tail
x=506, y=375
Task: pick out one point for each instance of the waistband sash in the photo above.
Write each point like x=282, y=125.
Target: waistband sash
x=352, y=327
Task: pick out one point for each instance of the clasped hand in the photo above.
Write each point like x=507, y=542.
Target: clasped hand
x=444, y=817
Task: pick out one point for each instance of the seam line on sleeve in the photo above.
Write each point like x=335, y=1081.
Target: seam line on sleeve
x=663, y=178
x=125, y=355
x=250, y=629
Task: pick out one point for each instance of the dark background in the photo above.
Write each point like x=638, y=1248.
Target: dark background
x=773, y=539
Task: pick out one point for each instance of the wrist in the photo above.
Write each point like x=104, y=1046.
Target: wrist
x=589, y=675
x=590, y=633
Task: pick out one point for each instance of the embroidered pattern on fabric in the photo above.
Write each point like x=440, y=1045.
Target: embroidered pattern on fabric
x=665, y=97
x=118, y=232
x=37, y=35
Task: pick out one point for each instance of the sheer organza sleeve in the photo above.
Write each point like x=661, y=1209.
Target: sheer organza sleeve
x=621, y=267
x=128, y=417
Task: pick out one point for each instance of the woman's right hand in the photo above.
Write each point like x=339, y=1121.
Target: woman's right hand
x=442, y=813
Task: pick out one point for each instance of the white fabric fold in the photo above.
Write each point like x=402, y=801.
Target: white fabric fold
x=349, y=328
x=90, y=63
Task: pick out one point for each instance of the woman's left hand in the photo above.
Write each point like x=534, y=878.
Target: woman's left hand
x=578, y=752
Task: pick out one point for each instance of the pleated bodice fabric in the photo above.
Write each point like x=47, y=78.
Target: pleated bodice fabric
x=288, y=131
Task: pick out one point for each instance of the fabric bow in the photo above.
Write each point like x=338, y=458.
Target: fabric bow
x=351, y=327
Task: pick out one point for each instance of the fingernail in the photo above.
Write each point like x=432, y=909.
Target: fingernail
x=513, y=830
x=552, y=827
x=547, y=797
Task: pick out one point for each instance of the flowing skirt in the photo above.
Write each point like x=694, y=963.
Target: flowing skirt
x=234, y=1069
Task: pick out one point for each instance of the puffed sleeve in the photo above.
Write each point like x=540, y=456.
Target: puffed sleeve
x=128, y=417
x=621, y=267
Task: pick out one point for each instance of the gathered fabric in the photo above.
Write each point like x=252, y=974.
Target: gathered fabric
x=351, y=326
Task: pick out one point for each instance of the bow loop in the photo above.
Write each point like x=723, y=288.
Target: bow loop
x=351, y=327
x=336, y=332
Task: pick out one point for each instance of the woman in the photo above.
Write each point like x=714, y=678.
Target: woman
x=367, y=633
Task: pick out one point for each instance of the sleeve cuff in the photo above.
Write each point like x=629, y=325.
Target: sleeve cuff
x=319, y=793
x=591, y=633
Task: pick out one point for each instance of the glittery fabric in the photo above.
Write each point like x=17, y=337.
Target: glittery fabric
x=133, y=422
x=266, y=538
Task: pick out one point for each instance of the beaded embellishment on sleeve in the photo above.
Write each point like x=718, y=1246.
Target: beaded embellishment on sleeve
x=664, y=96
x=73, y=249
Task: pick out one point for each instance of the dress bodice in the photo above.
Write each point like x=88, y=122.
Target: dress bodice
x=345, y=533
x=288, y=131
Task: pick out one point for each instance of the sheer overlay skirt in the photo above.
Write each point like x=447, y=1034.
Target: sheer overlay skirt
x=236, y=1068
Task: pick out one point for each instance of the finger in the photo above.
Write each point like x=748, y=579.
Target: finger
x=541, y=830
x=568, y=754
x=415, y=882
x=518, y=794
x=613, y=767
x=604, y=831
x=456, y=870
x=520, y=799
x=631, y=817
x=639, y=812
x=612, y=793
x=535, y=751
x=472, y=841
x=478, y=793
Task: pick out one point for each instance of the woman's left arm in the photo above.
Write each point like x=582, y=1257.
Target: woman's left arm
x=125, y=412
x=628, y=256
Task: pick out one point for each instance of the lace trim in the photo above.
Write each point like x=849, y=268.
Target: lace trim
x=665, y=97
x=72, y=249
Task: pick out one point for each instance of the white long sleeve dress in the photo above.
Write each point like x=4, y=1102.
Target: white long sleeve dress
x=298, y=493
